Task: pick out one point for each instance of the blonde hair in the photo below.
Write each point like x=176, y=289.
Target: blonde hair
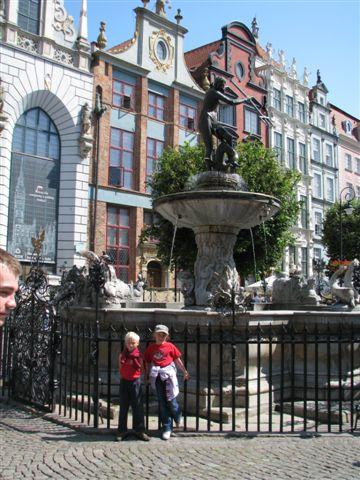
x=132, y=336
x=10, y=262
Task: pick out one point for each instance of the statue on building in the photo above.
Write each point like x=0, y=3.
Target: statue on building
x=160, y=7
x=269, y=51
x=209, y=126
x=86, y=139
x=281, y=54
x=305, y=77
x=205, y=82
x=293, y=72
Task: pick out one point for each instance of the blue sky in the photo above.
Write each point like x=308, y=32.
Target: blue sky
x=320, y=34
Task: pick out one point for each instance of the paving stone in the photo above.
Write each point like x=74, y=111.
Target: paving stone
x=33, y=448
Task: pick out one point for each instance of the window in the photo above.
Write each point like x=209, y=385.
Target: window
x=329, y=159
x=348, y=162
x=278, y=146
x=239, y=70
x=277, y=99
x=34, y=185
x=187, y=116
x=123, y=95
x=121, y=168
x=317, y=253
x=156, y=106
x=322, y=123
x=291, y=153
x=161, y=51
x=251, y=122
x=304, y=261
x=154, y=150
x=292, y=256
x=321, y=100
x=330, y=194
x=318, y=223
x=316, y=149
x=317, y=185
x=302, y=158
x=118, y=240
x=227, y=114
x=151, y=218
x=357, y=165
x=29, y=15
x=304, y=212
x=301, y=110
x=154, y=274
x=289, y=101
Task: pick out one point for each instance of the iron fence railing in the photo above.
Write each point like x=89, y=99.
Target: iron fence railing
x=244, y=376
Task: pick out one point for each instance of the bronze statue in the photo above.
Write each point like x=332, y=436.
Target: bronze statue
x=209, y=126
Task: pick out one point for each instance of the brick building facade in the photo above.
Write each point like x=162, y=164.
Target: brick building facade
x=151, y=103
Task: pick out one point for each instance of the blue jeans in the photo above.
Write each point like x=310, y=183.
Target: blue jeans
x=168, y=410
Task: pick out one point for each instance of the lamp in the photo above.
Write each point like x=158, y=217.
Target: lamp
x=349, y=195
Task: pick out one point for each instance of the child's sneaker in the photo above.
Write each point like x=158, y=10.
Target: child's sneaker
x=166, y=435
x=180, y=423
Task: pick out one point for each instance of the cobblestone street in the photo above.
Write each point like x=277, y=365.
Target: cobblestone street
x=34, y=448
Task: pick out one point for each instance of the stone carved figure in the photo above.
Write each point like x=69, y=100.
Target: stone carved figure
x=269, y=51
x=293, y=290
x=305, y=76
x=281, y=54
x=209, y=126
x=187, y=287
x=160, y=7
x=85, y=120
x=293, y=71
x=205, y=82
x=346, y=293
x=115, y=291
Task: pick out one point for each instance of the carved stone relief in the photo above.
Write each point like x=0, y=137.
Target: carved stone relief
x=63, y=22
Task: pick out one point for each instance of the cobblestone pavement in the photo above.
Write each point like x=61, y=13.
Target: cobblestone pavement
x=34, y=448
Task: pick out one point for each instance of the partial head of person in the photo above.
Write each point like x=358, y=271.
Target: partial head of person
x=219, y=83
x=132, y=340
x=161, y=334
x=10, y=270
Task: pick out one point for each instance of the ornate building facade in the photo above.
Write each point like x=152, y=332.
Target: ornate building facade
x=45, y=130
x=289, y=134
x=233, y=58
x=151, y=102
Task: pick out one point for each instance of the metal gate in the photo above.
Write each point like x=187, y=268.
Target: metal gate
x=30, y=343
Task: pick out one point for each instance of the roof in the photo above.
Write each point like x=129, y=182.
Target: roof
x=199, y=55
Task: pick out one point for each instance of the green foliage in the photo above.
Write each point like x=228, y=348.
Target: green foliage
x=262, y=172
x=350, y=231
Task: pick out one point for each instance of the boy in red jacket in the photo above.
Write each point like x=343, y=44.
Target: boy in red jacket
x=131, y=366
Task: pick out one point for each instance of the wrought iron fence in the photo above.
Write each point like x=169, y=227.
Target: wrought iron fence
x=244, y=377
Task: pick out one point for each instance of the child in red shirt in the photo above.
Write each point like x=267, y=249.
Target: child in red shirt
x=162, y=358
x=131, y=366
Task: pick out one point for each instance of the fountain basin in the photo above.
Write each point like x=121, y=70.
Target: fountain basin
x=217, y=208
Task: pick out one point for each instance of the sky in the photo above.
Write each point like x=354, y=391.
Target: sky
x=320, y=34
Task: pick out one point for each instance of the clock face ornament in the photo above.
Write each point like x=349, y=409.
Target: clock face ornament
x=161, y=50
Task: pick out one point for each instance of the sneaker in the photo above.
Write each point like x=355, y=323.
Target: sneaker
x=143, y=436
x=166, y=435
x=180, y=423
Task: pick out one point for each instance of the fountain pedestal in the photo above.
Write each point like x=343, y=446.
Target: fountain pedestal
x=216, y=210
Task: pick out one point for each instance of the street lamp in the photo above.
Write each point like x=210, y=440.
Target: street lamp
x=349, y=195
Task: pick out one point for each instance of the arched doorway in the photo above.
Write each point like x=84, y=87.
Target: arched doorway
x=34, y=186
x=154, y=274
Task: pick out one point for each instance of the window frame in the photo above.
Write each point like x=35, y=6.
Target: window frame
x=301, y=112
x=118, y=227
x=123, y=84
x=28, y=17
x=348, y=162
x=302, y=158
x=277, y=99
x=254, y=114
x=290, y=154
x=318, y=194
x=159, y=113
x=289, y=105
x=121, y=148
x=187, y=117
x=154, y=159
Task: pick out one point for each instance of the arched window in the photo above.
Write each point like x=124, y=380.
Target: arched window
x=154, y=274
x=34, y=185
